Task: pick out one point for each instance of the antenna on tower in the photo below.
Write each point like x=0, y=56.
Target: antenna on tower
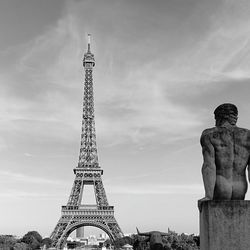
x=88, y=59
x=89, y=35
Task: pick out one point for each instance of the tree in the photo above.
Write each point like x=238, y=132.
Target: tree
x=123, y=241
x=181, y=241
x=33, y=239
x=107, y=243
x=21, y=246
x=174, y=244
x=36, y=235
x=7, y=241
x=47, y=242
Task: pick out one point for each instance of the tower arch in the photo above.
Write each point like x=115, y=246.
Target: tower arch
x=77, y=225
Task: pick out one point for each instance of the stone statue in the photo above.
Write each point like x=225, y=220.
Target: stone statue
x=226, y=151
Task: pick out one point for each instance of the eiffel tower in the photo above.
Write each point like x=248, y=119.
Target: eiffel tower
x=88, y=172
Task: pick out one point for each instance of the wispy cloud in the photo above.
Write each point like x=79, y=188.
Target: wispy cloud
x=17, y=194
x=134, y=103
x=156, y=189
x=7, y=176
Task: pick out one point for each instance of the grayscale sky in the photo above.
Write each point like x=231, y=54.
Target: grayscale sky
x=162, y=67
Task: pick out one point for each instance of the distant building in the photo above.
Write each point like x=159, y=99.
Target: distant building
x=80, y=233
x=92, y=240
x=127, y=247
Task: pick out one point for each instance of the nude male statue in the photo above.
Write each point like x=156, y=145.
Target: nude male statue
x=226, y=154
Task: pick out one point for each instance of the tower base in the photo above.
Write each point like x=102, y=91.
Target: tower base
x=74, y=217
x=225, y=225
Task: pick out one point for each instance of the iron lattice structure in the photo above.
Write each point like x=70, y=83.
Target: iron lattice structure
x=88, y=172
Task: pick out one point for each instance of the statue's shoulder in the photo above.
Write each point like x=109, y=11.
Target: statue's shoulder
x=209, y=131
x=243, y=131
x=206, y=135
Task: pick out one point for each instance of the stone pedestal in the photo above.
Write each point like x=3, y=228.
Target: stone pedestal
x=225, y=225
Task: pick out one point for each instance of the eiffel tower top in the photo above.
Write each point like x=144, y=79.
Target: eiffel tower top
x=88, y=60
x=88, y=158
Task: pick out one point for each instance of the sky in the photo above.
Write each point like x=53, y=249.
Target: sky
x=162, y=67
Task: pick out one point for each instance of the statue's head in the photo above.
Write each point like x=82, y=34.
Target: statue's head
x=226, y=112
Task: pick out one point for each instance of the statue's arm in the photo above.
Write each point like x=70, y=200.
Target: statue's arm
x=248, y=168
x=248, y=163
x=208, y=167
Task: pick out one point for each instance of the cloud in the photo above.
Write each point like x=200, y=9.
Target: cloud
x=17, y=194
x=7, y=177
x=28, y=155
x=136, y=85
x=3, y=144
x=49, y=84
x=35, y=92
x=140, y=111
x=156, y=189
